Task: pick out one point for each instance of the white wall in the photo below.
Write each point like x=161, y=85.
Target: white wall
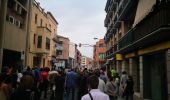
x=72, y=50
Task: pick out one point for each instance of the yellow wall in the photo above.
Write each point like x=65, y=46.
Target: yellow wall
x=15, y=38
x=53, y=35
x=155, y=48
x=44, y=31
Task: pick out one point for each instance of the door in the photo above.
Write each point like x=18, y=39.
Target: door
x=43, y=62
x=158, y=65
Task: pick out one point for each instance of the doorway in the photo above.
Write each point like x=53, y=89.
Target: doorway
x=158, y=77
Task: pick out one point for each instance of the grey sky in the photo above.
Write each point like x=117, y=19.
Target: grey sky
x=79, y=20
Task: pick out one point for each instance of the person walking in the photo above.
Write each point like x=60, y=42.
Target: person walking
x=95, y=93
x=128, y=89
x=82, y=84
x=123, y=80
x=103, y=76
x=71, y=78
x=43, y=82
x=102, y=85
x=24, y=91
x=4, y=89
x=111, y=89
x=59, y=84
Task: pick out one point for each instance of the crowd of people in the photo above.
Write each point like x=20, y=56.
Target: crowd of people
x=74, y=84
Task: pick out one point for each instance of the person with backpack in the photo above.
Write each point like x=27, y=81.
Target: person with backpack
x=128, y=89
x=95, y=93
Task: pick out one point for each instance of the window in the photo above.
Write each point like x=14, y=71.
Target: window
x=41, y=22
x=34, y=38
x=101, y=55
x=19, y=10
x=46, y=25
x=35, y=18
x=50, y=26
x=47, y=43
x=101, y=45
x=11, y=19
x=39, y=42
x=54, y=30
x=58, y=53
x=18, y=23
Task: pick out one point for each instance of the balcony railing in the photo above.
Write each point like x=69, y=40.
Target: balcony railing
x=156, y=19
x=115, y=47
x=126, y=40
x=59, y=48
x=60, y=56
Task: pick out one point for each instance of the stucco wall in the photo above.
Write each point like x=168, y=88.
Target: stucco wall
x=15, y=38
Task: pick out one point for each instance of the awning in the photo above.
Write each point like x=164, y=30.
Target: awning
x=143, y=9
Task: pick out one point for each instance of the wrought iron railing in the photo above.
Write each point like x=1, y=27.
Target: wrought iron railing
x=126, y=40
x=158, y=18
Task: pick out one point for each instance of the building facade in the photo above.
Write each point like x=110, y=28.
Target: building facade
x=42, y=37
x=53, y=43
x=99, y=54
x=72, y=53
x=138, y=40
x=86, y=62
x=62, y=53
x=13, y=32
x=78, y=57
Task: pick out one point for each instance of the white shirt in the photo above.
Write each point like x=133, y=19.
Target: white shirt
x=96, y=95
x=19, y=77
x=102, y=85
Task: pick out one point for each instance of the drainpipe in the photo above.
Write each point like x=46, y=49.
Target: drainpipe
x=2, y=28
x=26, y=63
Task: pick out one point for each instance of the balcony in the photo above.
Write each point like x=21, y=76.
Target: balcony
x=126, y=40
x=155, y=20
x=153, y=29
x=125, y=8
x=107, y=5
x=115, y=47
x=106, y=21
x=43, y=30
x=54, y=37
x=60, y=57
x=123, y=11
x=59, y=48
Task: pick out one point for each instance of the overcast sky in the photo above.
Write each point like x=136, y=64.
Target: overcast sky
x=79, y=20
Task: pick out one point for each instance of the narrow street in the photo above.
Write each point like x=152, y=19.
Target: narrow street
x=85, y=49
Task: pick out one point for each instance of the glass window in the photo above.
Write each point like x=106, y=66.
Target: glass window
x=101, y=45
x=35, y=18
x=34, y=38
x=11, y=19
x=101, y=56
x=50, y=26
x=39, y=42
x=47, y=43
x=41, y=22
